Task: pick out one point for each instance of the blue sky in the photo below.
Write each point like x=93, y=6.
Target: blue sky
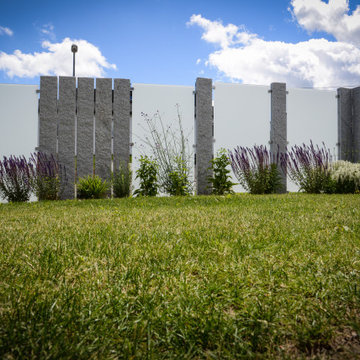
x=306, y=43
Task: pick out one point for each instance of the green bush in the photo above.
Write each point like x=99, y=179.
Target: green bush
x=147, y=174
x=122, y=182
x=46, y=181
x=92, y=188
x=178, y=184
x=221, y=183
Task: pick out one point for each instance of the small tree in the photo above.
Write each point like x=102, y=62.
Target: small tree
x=221, y=179
x=147, y=174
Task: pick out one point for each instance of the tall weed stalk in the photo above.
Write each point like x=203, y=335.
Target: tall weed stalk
x=170, y=148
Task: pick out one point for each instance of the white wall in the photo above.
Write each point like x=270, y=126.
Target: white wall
x=241, y=117
x=311, y=115
x=18, y=119
x=149, y=99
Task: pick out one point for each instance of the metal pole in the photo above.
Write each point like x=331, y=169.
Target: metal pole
x=74, y=50
x=73, y=64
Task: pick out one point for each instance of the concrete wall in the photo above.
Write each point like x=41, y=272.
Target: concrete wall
x=88, y=121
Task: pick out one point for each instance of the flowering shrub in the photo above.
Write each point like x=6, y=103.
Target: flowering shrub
x=256, y=169
x=16, y=174
x=345, y=177
x=308, y=167
x=46, y=182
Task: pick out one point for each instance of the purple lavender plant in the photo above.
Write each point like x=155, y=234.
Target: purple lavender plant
x=16, y=176
x=256, y=169
x=308, y=167
x=46, y=182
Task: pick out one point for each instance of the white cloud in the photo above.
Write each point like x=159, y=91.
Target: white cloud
x=6, y=31
x=250, y=59
x=56, y=59
x=198, y=61
x=216, y=33
x=332, y=17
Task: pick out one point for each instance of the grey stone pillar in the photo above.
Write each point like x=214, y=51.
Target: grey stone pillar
x=121, y=134
x=85, y=127
x=48, y=115
x=356, y=124
x=66, y=133
x=278, y=125
x=203, y=135
x=103, y=120
x=345, y=124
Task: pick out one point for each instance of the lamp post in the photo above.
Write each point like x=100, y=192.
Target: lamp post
x=74, y=50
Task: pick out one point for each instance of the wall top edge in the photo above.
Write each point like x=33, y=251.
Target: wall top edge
x=242, y=85
x=6, y=84
x=163, y=85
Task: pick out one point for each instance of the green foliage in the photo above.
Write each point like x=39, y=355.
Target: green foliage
x=221, y=183
x=122, y=182
x=147, y=174
x=46, y=181
x=192, y=277
x=178, y=184
x=265, y=181
x=47, y=188
x=92, y=187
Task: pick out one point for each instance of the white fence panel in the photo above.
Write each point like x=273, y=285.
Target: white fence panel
x=150, y=99
x=311, y=116
x=241, y=117
x=18, y=119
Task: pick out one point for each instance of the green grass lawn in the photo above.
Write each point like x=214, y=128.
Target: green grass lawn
x=188, y=278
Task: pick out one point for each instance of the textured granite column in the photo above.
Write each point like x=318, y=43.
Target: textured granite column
x=121, y=117
x=356, y=123
x=278, y=125
x=103, y=120
x=48, y=115
x=66, y=133
x=203, y=135
x=85, y=127
x=345, y=124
